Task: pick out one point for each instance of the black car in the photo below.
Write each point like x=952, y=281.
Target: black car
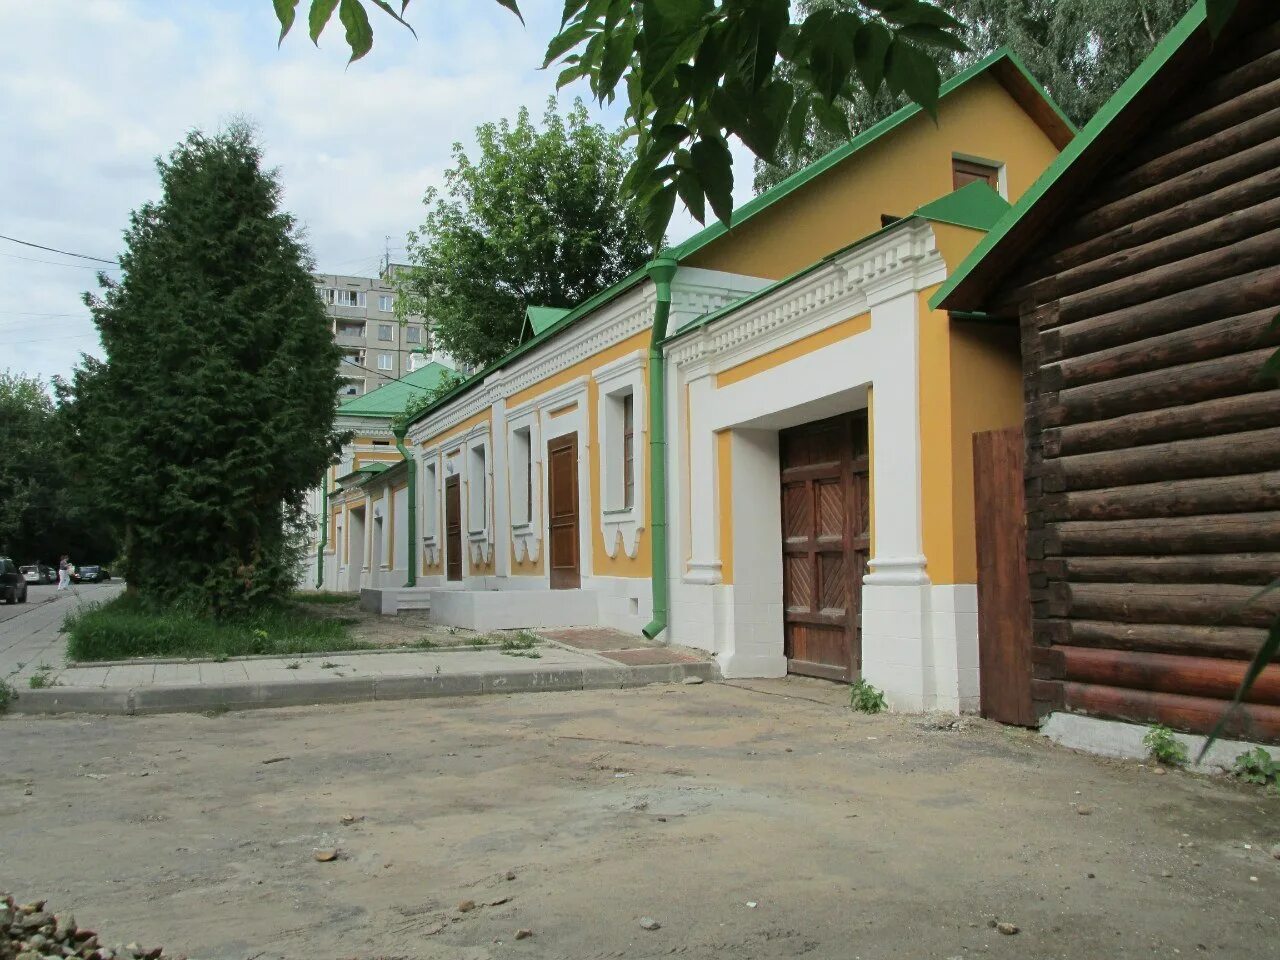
x=90, y=573
x=13, y=585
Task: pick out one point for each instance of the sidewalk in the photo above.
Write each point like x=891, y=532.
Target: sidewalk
x=187, y=686
x=29, y=632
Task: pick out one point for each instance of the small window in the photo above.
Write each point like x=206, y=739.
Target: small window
x=412, y=334
x=385, y=303
x=326, y=294
x=384, y=331
x=429, y=499
x=965, y=172
x=522, y=476
x=384, y=361
x=349, y=389
x=628, y=450
x=477, y=499
x=351, y=298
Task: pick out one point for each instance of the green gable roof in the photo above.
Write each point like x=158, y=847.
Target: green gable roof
x=975, y=205
x=389, y=399
x=1003, y=62
x=999, y=248
x=539, y=319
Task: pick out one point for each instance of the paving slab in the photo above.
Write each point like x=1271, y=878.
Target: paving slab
x=247, y=683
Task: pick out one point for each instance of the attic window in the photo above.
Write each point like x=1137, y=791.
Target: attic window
x=965, y=172
x=887, y=219
x=382, y=443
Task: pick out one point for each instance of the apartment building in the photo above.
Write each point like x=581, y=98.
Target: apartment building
x=376, y=347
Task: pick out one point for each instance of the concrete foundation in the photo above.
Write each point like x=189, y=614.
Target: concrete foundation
x=1114, y=738
x=485, y=610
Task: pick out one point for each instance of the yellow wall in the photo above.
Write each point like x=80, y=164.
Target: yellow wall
x=903, y=170
x=970, y=381
x=805, y=345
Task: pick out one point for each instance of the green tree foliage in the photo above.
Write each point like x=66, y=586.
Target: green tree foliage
x=28, y=463
x=45, y=510
x=538, y=218
x=1081, y=50
x=698, y=71
x=213, y=412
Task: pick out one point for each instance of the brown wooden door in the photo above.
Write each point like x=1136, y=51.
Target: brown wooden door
x=562, y=512
x=826, y=526
x=452, y=529
x=1004, y=601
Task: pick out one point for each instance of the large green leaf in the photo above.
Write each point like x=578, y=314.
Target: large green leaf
x=318, y=16
x=513, y=7
x=359, y=34
x=911, y=71
x=286, y=10
x=870, y=46
x=714, y=165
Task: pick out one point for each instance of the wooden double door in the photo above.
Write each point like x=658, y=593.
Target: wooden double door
x=453, y=528
x=826, y=542
x=562, y=513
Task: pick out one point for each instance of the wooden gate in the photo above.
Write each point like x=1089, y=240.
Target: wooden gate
x=452, y=529
x=1004, y=602
x=562, y=510
x=825, y=544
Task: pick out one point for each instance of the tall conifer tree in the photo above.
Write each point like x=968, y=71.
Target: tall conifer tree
x=213, y=413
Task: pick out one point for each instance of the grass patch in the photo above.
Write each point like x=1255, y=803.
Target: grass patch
x=865, y=698
x=126, y=627
x=323, y=597
x=7, y=695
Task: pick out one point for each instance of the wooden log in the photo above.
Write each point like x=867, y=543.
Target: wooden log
x=1053, y=259
x=1168, y=498
x=1259, y=65
x=1252, y=721
x=1180, y=189
x=1170, y=387
x=1218, y=533
x=1250, y=411
x=1220, y=131
x=1204, y=342
x=1256, y=569
x=1203, y=604
x=1215, y=233
x=1169, y=673
x=1253, y=451
x=1235, y=643
x=1258, y=290
x=1228, y=260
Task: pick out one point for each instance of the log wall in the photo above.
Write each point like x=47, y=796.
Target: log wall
x=1153, y=443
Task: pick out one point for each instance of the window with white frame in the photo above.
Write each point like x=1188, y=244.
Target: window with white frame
x=385, y=303
x=521, y=476
x=429, y=503
x=384, y=361
x=384, y=332
x=477, y=489
x=326, y=294
x=412, y=334
x=351, y=298
x=619, y=450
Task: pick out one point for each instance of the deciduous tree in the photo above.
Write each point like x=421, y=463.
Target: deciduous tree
x=538, y=218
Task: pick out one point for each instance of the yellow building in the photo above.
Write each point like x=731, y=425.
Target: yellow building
x=811, y=510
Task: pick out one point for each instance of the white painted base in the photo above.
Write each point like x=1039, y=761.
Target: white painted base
x=389, y=601
x=512, y=609
x=1115, y=738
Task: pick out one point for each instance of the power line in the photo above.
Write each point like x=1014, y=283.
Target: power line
x=65, y=253
x=55, y=263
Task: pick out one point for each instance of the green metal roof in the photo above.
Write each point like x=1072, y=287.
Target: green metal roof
x=1003, y=59
x=975, y=205
x=389, y=399
x=993, y=244
x=539, y=319
x=369, y=469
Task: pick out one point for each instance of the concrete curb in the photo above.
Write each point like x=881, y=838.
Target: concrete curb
x=295, y=693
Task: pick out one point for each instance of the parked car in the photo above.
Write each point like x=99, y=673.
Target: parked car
x=89, y=573
x=13, y=586
x=38, y=573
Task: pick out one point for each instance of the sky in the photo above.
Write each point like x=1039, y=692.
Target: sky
x=92, y=91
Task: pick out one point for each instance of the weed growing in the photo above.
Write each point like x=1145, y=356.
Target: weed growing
x=1258, y=766
x=866, y=698
x=1163, y=747
x=7, y=695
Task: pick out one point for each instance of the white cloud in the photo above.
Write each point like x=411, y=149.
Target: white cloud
x=91, y=91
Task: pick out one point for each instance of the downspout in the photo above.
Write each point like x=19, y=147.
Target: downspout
x=324, y=529
x=412, y=553
x=661, y=270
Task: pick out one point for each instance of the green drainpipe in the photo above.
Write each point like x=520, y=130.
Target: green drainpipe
x=324, y=529
x=660, y=270
x=412, y=552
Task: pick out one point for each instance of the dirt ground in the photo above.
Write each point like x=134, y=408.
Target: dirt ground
x=408, y=628
x=762, y=823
